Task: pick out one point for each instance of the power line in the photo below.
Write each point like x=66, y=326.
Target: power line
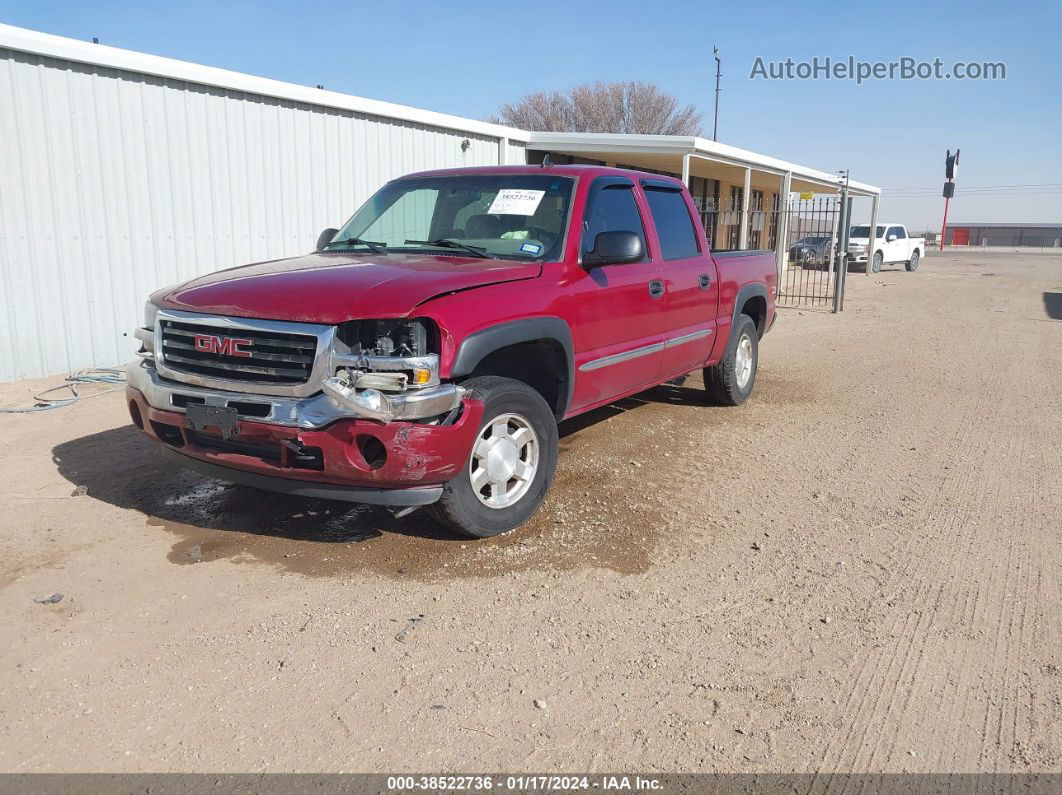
x=1027, y=185
x=975, y=192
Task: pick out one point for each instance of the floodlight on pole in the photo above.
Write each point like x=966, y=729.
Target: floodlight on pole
x=951, y=170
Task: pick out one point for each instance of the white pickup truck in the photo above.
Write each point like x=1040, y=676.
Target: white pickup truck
x=891, y=244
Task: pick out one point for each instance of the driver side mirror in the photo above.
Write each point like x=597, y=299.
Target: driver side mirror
x=615, y=248
x=890, y=238
x=325, y=238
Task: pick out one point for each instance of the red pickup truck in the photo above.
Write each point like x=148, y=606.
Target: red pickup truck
x=424, y=354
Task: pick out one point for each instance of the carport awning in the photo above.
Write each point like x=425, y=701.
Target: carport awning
x=707, y=158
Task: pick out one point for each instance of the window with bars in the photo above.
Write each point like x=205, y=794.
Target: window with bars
x=705, y=194
x=757, y=219
x=732, y=217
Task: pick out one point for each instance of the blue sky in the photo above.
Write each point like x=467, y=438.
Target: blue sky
x=467, y=58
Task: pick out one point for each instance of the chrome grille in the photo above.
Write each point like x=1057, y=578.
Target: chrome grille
x=274, y=357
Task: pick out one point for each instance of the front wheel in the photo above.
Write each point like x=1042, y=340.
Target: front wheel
x=730, y=382
x=511, y=465
x=877, y=262
x=912, y=264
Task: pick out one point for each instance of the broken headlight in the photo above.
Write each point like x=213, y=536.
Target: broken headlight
x=388, y=354
x=402, y=338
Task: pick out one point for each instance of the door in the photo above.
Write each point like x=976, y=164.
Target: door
x=691, y=282
x=896, y=250
x=618, y=308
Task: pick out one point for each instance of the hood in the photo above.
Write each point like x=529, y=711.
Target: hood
x=331, y=288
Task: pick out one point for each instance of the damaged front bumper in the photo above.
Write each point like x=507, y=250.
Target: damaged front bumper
x=310, y=446
x=316, y=411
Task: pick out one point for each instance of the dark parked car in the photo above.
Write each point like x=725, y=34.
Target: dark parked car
x=811, y=251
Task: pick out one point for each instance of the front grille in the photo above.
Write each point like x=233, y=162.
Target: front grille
x=275, y=357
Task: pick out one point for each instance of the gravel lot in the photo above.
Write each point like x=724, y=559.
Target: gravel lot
x=858, y=570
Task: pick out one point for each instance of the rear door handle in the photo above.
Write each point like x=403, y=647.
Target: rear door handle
x=656, y=288
x=705, y=280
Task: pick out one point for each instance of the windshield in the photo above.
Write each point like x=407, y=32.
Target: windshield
x=508, y=216
x=864, y=231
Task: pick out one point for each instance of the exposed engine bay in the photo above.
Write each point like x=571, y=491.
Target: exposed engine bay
x=402, y=337
x=382, y=355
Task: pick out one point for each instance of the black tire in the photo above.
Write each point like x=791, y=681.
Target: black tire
x=912, y=264
x=877, y=261
x=460, y=508
x=721, y=380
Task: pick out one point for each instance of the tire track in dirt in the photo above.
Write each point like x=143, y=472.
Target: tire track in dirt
x=879, y=679
x=938, y=602
x=872, y=703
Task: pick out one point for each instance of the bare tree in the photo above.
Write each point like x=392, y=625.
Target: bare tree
x=628, y=107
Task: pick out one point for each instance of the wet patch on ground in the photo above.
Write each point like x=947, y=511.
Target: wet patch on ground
x=595, y=517
x=327, y=538
x=606, y=508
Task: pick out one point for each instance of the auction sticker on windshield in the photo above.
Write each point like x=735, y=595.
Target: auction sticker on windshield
x=514, y=201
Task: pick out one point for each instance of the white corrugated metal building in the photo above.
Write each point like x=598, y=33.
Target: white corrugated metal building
x=122, y=172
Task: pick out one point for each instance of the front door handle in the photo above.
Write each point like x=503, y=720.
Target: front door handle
x=705, y=281
x=656, y=288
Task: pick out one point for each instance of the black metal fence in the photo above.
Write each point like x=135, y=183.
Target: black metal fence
x=808, y=274
x=722, y=220
x=809, y=264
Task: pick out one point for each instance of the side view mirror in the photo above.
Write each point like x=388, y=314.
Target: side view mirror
x=890, y=238
x=325, y=238
x=615, y=248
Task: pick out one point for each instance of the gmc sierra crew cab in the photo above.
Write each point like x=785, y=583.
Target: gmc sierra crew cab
x=891, y=244
x=424, y=354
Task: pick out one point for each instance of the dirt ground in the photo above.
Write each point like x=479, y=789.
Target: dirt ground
x=858, y=570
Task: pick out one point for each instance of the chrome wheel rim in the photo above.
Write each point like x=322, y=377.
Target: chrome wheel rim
x=743, y=361
x=504, y=461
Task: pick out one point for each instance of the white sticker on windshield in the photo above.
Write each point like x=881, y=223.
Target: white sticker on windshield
x=515, y=201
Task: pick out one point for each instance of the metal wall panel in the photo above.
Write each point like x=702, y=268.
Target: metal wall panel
x=114, y=183
x=517, y=152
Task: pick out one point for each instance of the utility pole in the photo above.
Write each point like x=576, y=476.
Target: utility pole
x=840, y=253
x=718, y=74
x=951, y=170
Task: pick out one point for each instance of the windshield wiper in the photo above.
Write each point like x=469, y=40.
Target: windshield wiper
x=445, y=242
x=375, y=248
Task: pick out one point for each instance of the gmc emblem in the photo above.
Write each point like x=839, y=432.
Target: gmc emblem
x=223, y=346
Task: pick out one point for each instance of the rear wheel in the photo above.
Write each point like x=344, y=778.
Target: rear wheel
x=511, y=465
x=877, y=262
x=912, y=264
x=730, y=382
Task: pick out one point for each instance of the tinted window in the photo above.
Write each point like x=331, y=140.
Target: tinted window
x=864, y=231
x=673, y=223
x=612, y=209
x=898, y=231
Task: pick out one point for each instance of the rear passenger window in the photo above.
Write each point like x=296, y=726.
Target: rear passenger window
x=612, y=209
x=673, y=223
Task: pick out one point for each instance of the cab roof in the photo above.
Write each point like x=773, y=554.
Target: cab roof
x=573, y=170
